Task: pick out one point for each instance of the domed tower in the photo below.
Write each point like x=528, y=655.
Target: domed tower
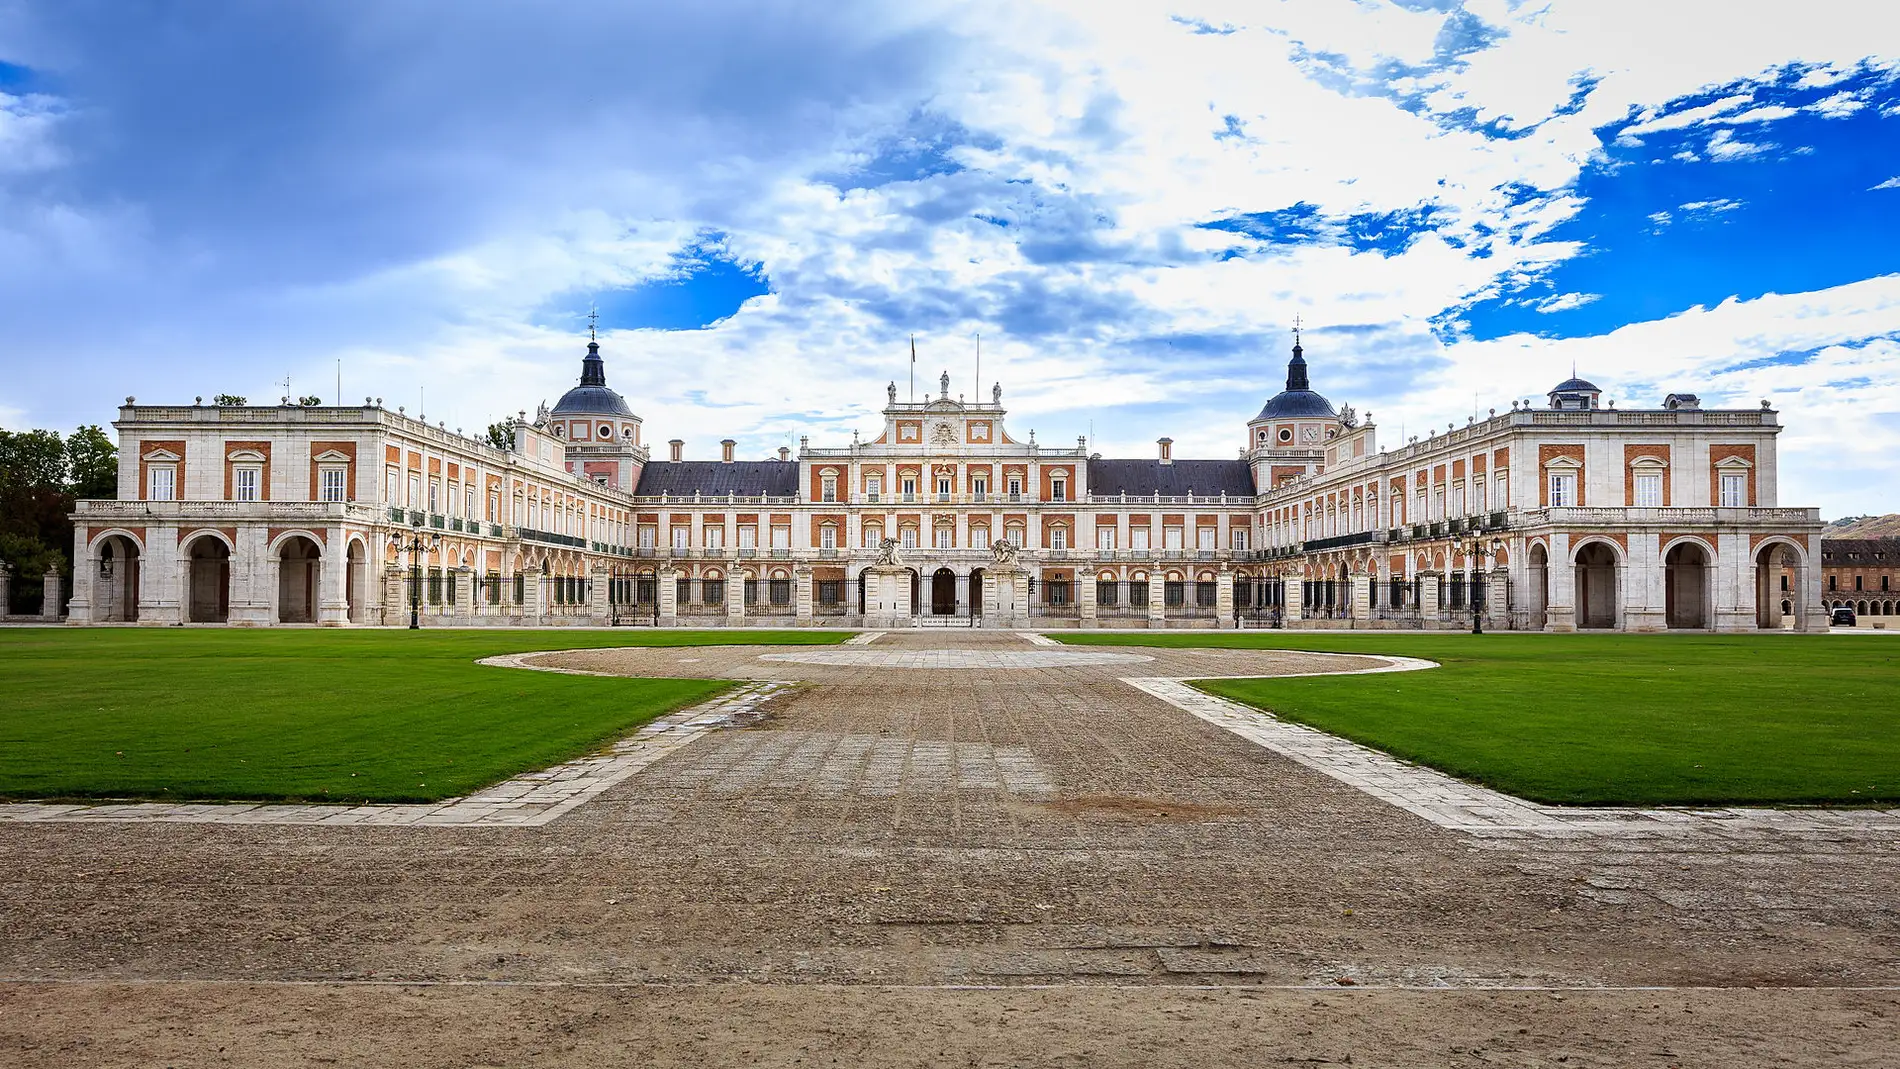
x=1289, y=436
x=1575, y=394
x=601, y=432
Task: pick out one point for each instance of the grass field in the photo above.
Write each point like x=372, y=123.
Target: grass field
x=338, y=716
x=1607, y=719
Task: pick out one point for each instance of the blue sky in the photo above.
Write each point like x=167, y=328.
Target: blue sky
x=1130, y=203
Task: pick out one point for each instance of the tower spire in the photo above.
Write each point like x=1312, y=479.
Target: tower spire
x=1296, y=367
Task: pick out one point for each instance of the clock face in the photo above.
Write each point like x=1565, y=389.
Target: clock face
x=1310, y=434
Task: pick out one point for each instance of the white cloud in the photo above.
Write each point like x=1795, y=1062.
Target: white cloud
x=1724, y=146
x=1891, y=183
x=1563, y=302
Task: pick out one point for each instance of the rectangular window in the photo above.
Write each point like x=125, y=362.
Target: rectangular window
x=161, y=483
x=946, y=537
x=1058, y=490
x=1206, y=538
x=649, y=537
x=1206, y=595
x=781, y=538
x=1171, y=538
x=1138, y=594
x=1502, y=498
x=1138, y=539
x=468, y=502
x=715, y=538
x=1105, y=538
x=980, y=486
x=908, y=486
x=944, y=483
x=1107, y=593
x=1058, y=538
x=830, y=591
x=1563, y=489
x=827, y=538
x=712, y=592
x=435, y=496
x=979, y=538
x=748, y=538
x=1239, y=536
x=1458, y=500
x=828, y=488
x=1734, y=490
x=1056, y=591
x=682, y=537
x=1174, y=594
x=1648, y=491
x=415, y=491
x=1015, y=488
x=874, y=486
x=244, y=481
x=330, y=484
x=910, y=538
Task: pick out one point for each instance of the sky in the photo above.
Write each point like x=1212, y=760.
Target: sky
x=1130, y=203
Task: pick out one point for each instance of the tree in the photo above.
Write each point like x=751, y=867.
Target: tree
x=92, y=463
x=502, y=435
x=228, y=400
x=35, y=535
x=310, y=400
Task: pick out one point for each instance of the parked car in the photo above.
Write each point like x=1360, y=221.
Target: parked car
x=1843, y=616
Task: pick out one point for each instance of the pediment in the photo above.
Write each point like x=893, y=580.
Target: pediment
x=162, y=456
x=246, y=456
x=331, y=456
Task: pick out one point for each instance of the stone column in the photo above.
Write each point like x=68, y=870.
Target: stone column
x=668, y=596
x=1360, y=607
x=253, y=579
x=464, y=579
x=6, y=589
x=533, y=596
x=333, y=581
x=1560, y=611
x=1224, y=598
x=1428, y=608
x=395, y=596
x=1293, y=587
x=1731, y=580
x=803, y=594
x=1157, y=599
x=1085, y=599
x=49, y=596
x=85, y=577
x=992, y=611
x=598, y=578
x=1498, y=599
x=735, y=598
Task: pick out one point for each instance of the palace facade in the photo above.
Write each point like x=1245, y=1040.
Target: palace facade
x=1570, y=516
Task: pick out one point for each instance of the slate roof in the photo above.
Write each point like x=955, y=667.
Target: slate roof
x=1145, y=478
x=681, y=478
x=1842, y=552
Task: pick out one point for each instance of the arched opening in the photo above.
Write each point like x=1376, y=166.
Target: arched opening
x=943, y=592
x=115, y=596
x=208, y=567
x=976, y=592
x=1596, y=586
x=1860, y=609
x=1778, y=586
x=863, y=583
x=1686, y=587
x=1537, y=578
x=355, y=582
x=297, y=560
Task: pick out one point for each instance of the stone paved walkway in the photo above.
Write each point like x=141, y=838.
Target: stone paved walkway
x=526, y=801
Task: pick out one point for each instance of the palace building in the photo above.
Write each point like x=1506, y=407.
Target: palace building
x=1563, y=516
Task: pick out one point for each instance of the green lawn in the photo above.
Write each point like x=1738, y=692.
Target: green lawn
x=1607, y=719
x=338, y=716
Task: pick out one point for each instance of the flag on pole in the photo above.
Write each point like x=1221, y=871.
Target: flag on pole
x=913, y=367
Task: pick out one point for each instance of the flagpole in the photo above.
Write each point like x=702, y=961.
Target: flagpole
x=913, y=369
x=979, y=367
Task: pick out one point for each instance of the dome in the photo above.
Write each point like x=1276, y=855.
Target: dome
x=1575, y=386
x=592, y=397
x=1298, y=400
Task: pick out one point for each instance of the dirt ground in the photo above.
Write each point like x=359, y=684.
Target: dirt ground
x=948, y=866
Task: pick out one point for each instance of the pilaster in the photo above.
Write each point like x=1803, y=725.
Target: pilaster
x=735, y=598
x=668, y=595
x=464, y=579
x=1429, y=611
x=1361, y=603
x=49, y=597
x=1157, y=600
x=1224, y=598
x=1085, y=599
x=802, y=594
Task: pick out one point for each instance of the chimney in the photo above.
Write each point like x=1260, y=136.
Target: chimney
x=679, y=450
x=726, y=446
x=1167, y=449
x=784, y=453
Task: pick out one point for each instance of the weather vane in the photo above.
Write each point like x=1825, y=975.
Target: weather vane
x=1296, y=328
x=593, y=316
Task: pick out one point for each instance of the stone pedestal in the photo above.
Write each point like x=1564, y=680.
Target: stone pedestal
x=1497, y=595
x=464, y=580
x=395, y=596
x=887, y=596
x=1360, y=606
x=802, y=595
x=49, y=598
x=735, y=598
x=1224, y=599
x=1429, y=612
x=1293, y=588
x=1157, y=600
x=598, y=590
x=533, y=596
x=668, y=595
x=1085, y=600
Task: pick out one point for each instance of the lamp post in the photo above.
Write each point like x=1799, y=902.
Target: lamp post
x=1477, y=551
x=415, y=544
